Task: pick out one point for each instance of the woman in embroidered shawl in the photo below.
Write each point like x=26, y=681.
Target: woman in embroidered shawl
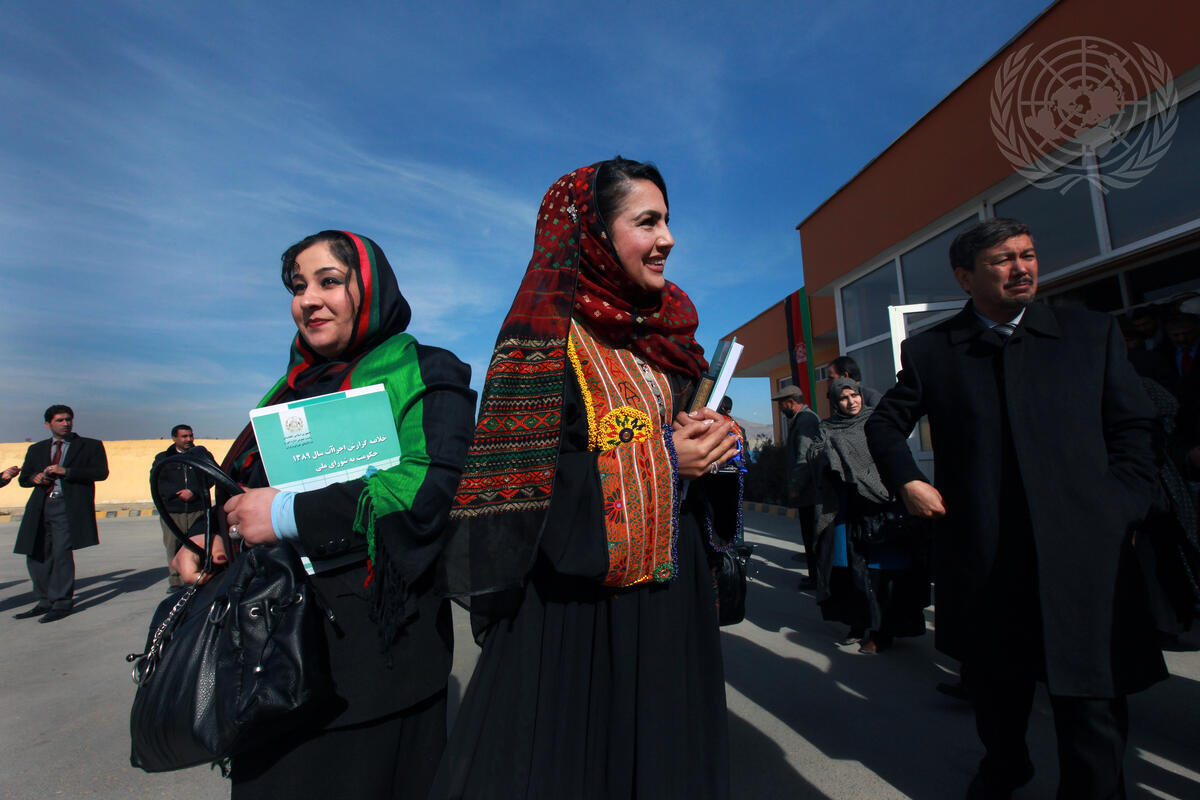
x=879, y=590
x=372, y=540
x=584, y=520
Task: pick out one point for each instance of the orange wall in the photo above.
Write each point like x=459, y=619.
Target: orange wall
x=950, y=156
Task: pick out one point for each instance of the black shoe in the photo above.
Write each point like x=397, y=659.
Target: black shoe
x=36, y=611
x=852, y=637
x=55, y=614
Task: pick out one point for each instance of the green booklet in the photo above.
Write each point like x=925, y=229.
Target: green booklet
x=331, y=438
x=310, y=443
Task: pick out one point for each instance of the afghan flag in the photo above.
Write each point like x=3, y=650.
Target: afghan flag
x=799, y=342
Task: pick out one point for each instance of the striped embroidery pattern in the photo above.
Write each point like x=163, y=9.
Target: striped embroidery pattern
x=637, y=479
x=511, y=463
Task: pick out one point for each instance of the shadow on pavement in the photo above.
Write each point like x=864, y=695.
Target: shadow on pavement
x=884, y=712
x=758, y=766
x=133, y=582
x=26, y=597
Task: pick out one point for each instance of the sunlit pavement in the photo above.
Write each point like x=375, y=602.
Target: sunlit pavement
x=807, y=719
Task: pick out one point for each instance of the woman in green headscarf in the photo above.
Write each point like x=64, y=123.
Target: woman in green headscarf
x=389, y=650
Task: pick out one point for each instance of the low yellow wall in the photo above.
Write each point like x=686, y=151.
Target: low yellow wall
x=128, y=470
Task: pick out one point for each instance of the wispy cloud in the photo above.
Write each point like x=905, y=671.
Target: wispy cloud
x=156, y=162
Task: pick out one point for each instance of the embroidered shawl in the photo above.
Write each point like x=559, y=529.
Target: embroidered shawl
x=506, y=487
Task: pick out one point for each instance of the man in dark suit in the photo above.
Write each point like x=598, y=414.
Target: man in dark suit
x=803, y=429
x=1041, y=435
x=184, y=491
x=61, y=513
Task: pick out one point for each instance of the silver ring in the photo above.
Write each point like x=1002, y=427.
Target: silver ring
x=233, y=531
x=712, y=468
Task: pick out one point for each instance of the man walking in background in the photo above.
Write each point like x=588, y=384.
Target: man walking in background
x=184, y=491
x=61, y=513
x=804, y=426
x=1039, y=484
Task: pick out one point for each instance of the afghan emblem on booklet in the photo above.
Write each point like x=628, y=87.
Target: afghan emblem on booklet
x=295, y=428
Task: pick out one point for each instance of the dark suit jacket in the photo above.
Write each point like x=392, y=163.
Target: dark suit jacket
x=804, y=428
x=86, y=463
x=1059, y=404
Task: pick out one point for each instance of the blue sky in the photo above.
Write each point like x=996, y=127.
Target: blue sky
x=157, y=157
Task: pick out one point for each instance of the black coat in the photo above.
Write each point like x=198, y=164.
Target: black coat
x=176, y=476
x=804, y=429
x=85, y=463
x=1043, y=458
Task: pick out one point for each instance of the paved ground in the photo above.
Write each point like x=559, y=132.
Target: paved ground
x=808, y=720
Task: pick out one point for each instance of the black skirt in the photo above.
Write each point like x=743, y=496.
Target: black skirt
x=591, y=692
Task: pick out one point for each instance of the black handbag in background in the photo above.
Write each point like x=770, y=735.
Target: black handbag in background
x=729, y=575
x=230, y=663
x=892, y=524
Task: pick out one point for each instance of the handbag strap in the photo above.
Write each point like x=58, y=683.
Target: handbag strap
x=224, y=481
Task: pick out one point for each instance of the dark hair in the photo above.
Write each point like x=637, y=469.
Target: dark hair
x=339, y=244
x=725, y=406
x=54, y=411
x=845, y=365
x=977, y=238
x=179, y=428
x=613, y=179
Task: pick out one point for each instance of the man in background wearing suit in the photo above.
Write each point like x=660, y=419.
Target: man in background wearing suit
x=803, y=428
x=1041, y=439
x=61, y=513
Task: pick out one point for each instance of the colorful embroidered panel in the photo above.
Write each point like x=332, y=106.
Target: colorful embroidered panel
x=517, y=437
x=628, y=403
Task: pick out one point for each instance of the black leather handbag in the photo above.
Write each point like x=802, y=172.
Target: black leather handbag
x=228, y=663
x=729, y=573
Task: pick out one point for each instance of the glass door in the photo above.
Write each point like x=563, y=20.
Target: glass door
x=906, y=320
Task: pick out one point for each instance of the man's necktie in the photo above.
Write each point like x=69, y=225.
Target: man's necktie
x=1004, y=328
x=54, y=463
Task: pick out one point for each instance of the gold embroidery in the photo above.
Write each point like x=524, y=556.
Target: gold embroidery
x=622, y=426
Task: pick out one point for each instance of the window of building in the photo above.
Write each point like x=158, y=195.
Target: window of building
x=865, y=302
x=1099, y=295
x=1064, y=226
x=1165, y=197
x=877, y=364
x=928, y=277
x=1164, y=279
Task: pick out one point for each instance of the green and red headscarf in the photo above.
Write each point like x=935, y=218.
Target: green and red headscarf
x=506, y=486
x=382, y=313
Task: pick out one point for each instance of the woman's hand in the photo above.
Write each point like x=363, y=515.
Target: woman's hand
x=250, y=513
x=188, y=564
x=702, y=439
